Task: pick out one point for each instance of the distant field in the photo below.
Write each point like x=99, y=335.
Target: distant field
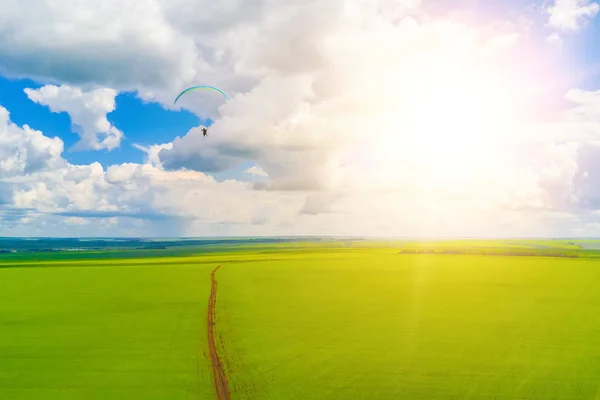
x=344, y=320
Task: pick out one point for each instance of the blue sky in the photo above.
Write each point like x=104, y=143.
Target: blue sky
x=143, y=123
x=586, y=53
x=286, y=127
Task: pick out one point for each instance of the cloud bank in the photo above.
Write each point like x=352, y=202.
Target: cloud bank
x=341, y=106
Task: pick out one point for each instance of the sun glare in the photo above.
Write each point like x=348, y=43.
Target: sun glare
x=446, y=123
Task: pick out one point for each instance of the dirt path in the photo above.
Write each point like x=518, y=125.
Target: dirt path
x=218, y=372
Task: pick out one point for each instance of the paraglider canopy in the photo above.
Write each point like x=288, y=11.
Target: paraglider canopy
x=201, y=87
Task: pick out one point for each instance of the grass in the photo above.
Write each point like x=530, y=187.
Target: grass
x=129, y=332
x=379, y=326
x=301, y=321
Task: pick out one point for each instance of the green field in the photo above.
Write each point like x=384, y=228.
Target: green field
x=129, y=332
x=370, y=320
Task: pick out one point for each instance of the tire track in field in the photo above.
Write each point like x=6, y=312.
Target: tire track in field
x=218, y=372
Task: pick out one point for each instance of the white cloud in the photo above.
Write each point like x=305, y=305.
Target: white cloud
x=24, y=150
x=153, y=151
x=554, y=39
x=588, y=105
x=116, y=43
x=75, y=221
x=255, y=170
x=342, y=104
x=43, y=184
x=87, y=109
x=326, y=98
x=572, y=15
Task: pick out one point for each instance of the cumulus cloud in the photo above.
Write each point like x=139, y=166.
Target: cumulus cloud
x=153, y=151
x=588, y=105
x=116, y=43
x=142, y=192
x=572, y=15
x=318, y=102
x=24, y=150
x=320, y=203
x=36, y=180
x=87, y=109
x=255, y=170
x=76, y=221
x=342, y=104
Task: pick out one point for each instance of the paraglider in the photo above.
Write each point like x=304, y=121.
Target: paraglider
x=207, y=87
x=204, y=130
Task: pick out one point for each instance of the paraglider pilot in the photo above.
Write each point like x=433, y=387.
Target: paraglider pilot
x=204, y=132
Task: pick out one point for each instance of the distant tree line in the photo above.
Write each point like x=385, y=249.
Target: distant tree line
x=492, y=252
